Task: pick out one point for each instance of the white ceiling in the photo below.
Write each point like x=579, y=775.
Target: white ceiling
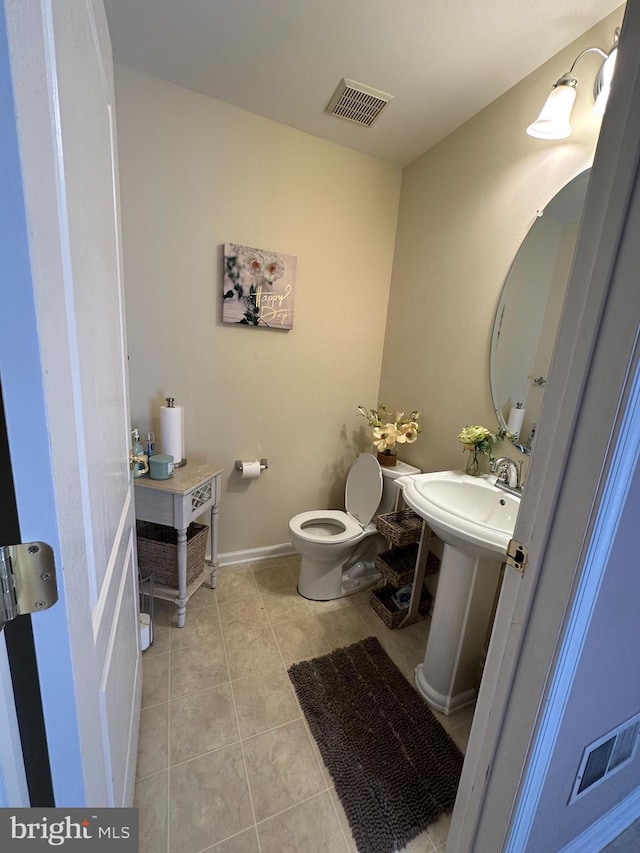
x=443, y=60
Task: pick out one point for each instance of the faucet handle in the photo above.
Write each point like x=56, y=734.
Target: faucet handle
x=500, y=466
x=504, y=466
x=504, y=473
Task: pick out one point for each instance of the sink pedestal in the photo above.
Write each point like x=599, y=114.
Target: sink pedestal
x=449, y=676
x=475, y=520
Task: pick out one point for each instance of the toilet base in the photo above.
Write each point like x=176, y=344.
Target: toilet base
x=323, y=582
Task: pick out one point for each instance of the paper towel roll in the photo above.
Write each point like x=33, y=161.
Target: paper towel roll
x=516, y=416
x=250, y=470
x=172, y=432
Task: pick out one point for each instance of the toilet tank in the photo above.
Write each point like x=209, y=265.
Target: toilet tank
x=389, y=488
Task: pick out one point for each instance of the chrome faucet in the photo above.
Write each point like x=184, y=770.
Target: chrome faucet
x=509, y=474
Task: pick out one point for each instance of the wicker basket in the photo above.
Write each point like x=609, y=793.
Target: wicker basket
x=398, y=565
x=400, y=528
x=158, y=552
x=382, y=604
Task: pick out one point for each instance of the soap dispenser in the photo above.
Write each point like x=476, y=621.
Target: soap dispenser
x=151, y=445
x=138, y=456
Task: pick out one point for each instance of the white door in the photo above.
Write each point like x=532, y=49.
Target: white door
x=64, y=376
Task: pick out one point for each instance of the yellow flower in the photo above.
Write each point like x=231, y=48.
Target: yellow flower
x=477, y=438
x=471, y=435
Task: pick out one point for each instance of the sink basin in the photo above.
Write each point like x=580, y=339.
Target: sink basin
x=469, y=513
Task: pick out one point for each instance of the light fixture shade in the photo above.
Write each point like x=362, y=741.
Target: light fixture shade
x=553, y=121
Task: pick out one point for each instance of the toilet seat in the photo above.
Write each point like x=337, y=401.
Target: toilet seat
x=362, y=497
x=316, y=526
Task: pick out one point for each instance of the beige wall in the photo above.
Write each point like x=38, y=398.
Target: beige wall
x=196, y=173
x=466, y=206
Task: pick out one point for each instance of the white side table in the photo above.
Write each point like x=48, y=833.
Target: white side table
x=176, y=502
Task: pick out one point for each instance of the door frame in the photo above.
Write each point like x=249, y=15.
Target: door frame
x=519, y=706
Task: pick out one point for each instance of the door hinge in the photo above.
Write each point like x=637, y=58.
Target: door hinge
x=517, y=555
x=27, y=580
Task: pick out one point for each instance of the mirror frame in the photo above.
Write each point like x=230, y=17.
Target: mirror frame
x=498, y=316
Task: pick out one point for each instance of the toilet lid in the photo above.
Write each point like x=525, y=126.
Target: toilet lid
x=364, y=488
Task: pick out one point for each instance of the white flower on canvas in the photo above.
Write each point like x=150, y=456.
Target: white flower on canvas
x=253, y=262
x=273, y=269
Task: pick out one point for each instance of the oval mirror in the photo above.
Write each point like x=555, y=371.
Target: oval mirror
x=528, y=313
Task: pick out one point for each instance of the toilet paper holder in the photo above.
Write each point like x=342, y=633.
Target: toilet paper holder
x=263, y=464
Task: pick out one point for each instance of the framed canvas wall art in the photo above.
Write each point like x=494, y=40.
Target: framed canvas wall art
x=258, y=287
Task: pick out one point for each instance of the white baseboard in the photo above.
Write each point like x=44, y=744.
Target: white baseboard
x=268, y=552
x=608, y=827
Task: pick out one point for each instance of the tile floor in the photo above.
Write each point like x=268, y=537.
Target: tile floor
x=226, y=762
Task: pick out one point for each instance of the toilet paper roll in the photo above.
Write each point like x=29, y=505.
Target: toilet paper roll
x=250, y=470
x=172, y=432
x=516, y=416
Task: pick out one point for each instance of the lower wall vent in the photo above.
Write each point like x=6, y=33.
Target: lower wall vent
x=605, y=756
x=357, y=102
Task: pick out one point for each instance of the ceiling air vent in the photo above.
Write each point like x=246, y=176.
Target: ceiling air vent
x=606, y=755
x=357, y=102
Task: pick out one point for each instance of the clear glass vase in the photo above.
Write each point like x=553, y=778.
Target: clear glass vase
x=473, y=464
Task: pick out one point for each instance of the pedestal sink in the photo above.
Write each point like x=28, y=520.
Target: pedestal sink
x=475, y=521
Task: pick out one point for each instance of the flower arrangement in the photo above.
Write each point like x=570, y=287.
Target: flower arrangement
x=477, y=440
x=390, y=429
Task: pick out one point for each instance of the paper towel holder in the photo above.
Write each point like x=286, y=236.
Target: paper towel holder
x=171, y=405
x=239, y=463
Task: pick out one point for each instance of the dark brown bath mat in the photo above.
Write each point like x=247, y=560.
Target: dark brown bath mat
x=395, y=768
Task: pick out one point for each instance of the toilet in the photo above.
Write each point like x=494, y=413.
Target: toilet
x=338, y=548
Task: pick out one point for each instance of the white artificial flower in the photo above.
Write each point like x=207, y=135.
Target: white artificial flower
x=386, y=433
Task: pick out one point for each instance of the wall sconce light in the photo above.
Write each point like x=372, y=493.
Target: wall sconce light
x=553, y=121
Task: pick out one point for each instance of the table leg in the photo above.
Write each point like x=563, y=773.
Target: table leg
x=213, y=562
x=412, y=614
x=182, y=577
